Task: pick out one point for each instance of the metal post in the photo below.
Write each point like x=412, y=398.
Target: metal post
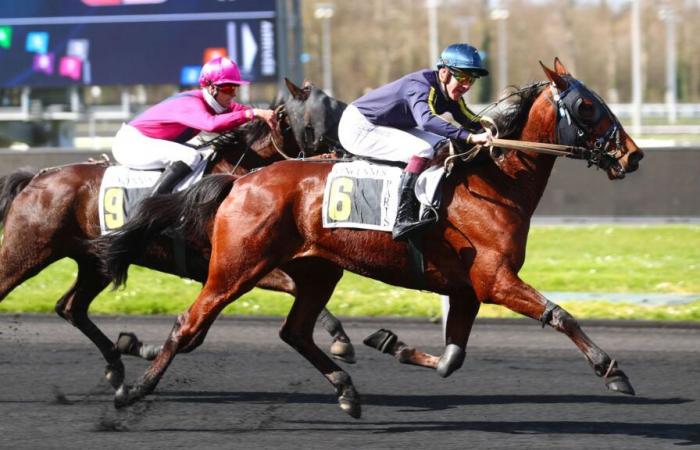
x=433, y=35
x=24, y=101
x=324, y=12
x=282, y=39
x=500, y=15
x=668, y=15
x=636, y=37
x=463, y=23
x=297, y=71
x=74, y=99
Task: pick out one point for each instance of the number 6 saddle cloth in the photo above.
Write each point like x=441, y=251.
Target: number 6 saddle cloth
x=122, y=189
x=363, y=195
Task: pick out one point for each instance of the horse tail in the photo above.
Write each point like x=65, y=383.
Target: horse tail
x=10, y=186
x=190, y=211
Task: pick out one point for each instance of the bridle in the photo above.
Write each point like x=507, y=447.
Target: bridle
x=308, y=136
x=578, y=131
x=574, y=134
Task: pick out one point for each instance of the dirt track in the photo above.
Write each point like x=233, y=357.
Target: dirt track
x=520, y=387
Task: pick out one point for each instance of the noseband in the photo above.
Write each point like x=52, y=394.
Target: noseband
x=575, y=130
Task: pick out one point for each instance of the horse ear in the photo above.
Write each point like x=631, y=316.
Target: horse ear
x=554, y=77
x=297, y=92
x=559, y=67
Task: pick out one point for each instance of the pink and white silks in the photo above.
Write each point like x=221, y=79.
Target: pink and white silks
x=156, y=138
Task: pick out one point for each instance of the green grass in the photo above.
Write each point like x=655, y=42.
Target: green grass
x=596, y=258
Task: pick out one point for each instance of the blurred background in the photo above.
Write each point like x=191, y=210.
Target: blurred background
x=72, y=71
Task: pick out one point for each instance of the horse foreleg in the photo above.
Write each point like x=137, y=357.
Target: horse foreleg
x=73, y=307
x=516, y=295
x=313, y=291
x=386, y=341
x=460, y=318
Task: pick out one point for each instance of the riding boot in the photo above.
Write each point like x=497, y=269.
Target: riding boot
x=171, y=176
x=407, y=222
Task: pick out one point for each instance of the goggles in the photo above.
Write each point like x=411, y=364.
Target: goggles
x=463, y=77
x=227, y=88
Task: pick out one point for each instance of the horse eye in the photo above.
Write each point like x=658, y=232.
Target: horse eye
x=586, y=110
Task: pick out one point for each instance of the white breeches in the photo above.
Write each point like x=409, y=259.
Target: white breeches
x=136, y=151
x=361, y=137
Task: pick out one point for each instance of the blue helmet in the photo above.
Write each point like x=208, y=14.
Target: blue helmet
x=462, y=57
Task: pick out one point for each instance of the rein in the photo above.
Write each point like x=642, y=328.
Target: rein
x=599, y=156
x=279, y=113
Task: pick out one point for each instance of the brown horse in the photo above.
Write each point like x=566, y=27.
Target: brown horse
x=272, y=218
x=53, y=214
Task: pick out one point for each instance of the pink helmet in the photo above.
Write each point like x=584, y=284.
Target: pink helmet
x=220, y=70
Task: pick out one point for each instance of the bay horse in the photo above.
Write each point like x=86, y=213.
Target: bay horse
x=272, y=218
x=53, y=214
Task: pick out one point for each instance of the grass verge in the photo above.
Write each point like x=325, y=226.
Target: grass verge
x=590, y=258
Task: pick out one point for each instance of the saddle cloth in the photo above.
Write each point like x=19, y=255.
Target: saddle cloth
x=122, y=189
x=363, y=195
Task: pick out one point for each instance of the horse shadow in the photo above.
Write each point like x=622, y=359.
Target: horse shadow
x=681, y=434
x=417, y=402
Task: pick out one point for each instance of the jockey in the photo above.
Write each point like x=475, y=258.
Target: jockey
x=156, y=138
x=400, y=122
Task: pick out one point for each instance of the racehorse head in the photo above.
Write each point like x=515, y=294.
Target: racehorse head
x=584, y=120
x=313, y=116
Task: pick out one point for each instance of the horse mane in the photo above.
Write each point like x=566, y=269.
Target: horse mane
x=510, y=113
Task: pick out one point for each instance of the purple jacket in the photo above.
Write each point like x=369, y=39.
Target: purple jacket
x=416, y=100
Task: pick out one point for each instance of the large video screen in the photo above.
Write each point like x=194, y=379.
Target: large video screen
x=108, y=42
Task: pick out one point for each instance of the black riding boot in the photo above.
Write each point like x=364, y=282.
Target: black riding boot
x=407, y=221
x=170, y=177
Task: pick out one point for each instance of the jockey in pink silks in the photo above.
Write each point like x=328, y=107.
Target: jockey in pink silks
x=156, y=138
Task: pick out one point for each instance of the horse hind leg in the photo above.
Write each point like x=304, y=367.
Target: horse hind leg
x=517, y=296
x=313, y=292
x=234, y=275
x=21, y=258
x=73, y=307
x=341, y=347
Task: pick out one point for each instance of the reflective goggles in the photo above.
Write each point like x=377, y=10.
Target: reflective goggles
x=463, y=77
x=227, y=88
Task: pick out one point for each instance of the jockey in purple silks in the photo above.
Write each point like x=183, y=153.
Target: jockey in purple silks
x=156, y=138
x=401, y=121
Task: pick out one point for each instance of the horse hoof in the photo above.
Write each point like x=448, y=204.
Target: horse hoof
x=382, y=339
x=452, y=359
x=149, y=352
x=121, y=397
x=114, y=373
x=350, y=405
x=128, y=344
x=344, y=351
x=620, y=383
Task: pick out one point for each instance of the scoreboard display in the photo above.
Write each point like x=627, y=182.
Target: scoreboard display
x=125, y=42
